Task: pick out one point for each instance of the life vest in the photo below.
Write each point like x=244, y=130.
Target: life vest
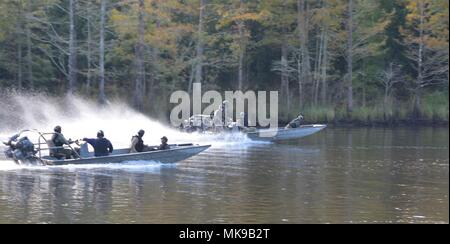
x=140, y=145
x=57, y=140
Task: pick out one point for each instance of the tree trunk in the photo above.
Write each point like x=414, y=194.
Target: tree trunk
x=284, y=73
x=364, y=96
x=200, y=46
x=72, y=47
x=102, y=96
x=350, y=59
x=241, y=57
x=300, y=83
x=324, y=69
x=387, y=87
x=89, y=41
x=242, y=46
x=385, y=102
x=241, y=71
x=417, y=112
x=285, y=80
x=285, y=77
x=140, y=67
x=19, y=54
x=303, y=38
x=418, y=90
x=29, y=51
x=317, y=70
x=19, y=64
x=154, y=60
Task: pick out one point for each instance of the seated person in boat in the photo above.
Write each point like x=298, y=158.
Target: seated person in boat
x=164, y=145
x=295, y=123
x=56, y=145
x=137, y=144
x=102, y=146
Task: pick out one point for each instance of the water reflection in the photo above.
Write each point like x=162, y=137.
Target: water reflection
x=338, y=176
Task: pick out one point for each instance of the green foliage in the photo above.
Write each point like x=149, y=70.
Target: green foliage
x=436, y=106
x=234, y=31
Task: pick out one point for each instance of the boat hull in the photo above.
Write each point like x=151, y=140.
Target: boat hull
x=281, y=134
x=165, y=156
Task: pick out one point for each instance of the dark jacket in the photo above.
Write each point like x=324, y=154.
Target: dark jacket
x=102, y=146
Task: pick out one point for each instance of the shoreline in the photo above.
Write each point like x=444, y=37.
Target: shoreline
x=359, y=124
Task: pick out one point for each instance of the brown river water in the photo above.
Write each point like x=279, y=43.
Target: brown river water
x=362, y=175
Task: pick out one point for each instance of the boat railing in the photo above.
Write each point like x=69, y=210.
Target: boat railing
x=42, y=140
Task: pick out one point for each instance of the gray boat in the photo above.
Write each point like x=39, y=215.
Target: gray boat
x=281, y=134
x=37, y=153
x=204, y=124
x=175, y=154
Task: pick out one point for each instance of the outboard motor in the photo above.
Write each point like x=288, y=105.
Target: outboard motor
x=22, y=151
x=10, y=147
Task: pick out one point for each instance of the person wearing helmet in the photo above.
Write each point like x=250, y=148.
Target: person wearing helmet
x=164, y=145
x=102, y=146
x=295, y=123
x=57, y=143
x=137, y=144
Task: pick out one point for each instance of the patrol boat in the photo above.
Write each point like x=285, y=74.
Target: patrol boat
x=204, y=124
x=282, y=134
x=22, y=151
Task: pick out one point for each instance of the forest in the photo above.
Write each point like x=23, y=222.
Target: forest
x=335, y=61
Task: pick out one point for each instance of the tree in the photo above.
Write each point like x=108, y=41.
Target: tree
x=102, y=96
x=427, y=45
x=198, y=70
x=365, y=38
x=281, y=17
x=349, y=57
x=140, y=68
x=327, y=18
x=236, y=17
x=304, y=59
x=72, y=47
x=389, y=78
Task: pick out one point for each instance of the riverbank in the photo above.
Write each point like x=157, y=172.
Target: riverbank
x=431, y=115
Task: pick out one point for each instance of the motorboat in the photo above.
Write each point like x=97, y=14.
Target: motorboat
x=22, y=150
x=204, y=124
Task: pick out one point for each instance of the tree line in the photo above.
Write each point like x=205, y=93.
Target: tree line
x=333, y=60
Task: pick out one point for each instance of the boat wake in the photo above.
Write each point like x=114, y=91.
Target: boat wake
x=130, y=166
x=80, y=118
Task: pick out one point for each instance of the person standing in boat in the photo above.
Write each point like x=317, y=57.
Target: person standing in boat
x=242, y=121
x=164, y=145
x=57, y=143
x=137, y=144
x=295, y=123
x=220, y=117
x=102, y=146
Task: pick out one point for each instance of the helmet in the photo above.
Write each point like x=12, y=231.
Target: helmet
x=141, y=132
x=224, y=104
x=57, y=129
x=100, y=134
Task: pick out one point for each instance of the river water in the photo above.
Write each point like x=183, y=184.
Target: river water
x=364, y=175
